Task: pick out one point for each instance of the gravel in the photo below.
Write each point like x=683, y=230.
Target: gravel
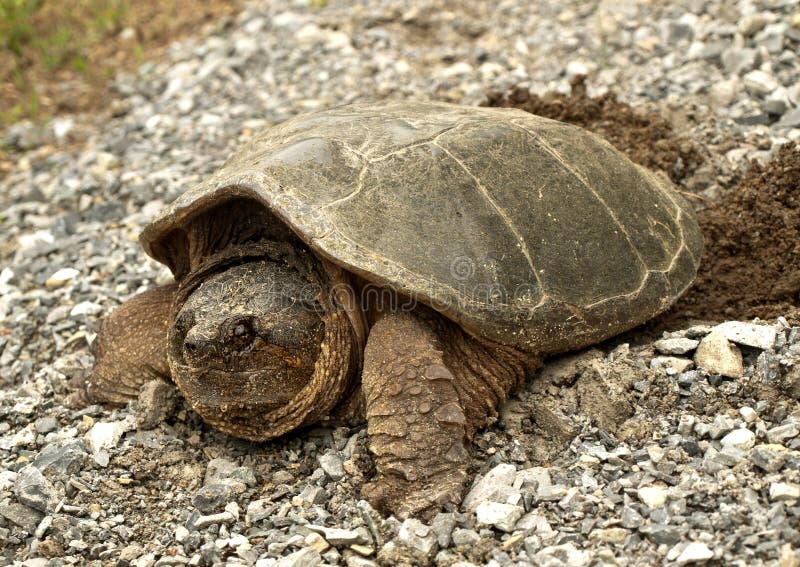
x=703, y=463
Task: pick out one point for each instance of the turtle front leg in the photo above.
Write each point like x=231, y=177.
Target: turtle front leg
x=415, y=421
x=131, y=347
x=429, y=386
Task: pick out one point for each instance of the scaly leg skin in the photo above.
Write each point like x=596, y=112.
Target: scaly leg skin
x=424, y=406
x=131, y=347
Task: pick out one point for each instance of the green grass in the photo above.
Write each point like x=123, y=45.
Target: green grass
x=53, y=36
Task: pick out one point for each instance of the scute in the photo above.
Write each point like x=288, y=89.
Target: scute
x=524, y=230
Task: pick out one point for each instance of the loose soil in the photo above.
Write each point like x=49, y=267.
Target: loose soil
x=751, y=263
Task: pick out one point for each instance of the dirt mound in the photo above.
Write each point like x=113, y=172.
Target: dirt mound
x=645, y=137
x=751, y=265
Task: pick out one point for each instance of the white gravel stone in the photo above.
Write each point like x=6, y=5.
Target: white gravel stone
x=61, y=277
x=743, y=439
x=783, y=491
x=652, y=496
x=494, y=486
x=501, y=516
x=306, y=557
x=748, y=334
x=678, y=345
x=716, y=355
x=106, y=435
x=782, y=433
x=748, y=414
x=695, y=552
x=417, y=535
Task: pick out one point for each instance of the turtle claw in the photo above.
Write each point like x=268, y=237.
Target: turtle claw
x=421, y=499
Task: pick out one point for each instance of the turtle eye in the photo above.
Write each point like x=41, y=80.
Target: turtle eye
x=184, y=322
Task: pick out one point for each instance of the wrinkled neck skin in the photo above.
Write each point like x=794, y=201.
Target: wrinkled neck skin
x=267, y=338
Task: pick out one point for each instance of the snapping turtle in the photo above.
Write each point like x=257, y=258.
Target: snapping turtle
x=406, y=262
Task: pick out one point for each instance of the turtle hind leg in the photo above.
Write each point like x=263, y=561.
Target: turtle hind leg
x=423, y=407
x=131, y=347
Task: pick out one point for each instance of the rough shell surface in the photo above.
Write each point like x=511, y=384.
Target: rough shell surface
x=522, y=229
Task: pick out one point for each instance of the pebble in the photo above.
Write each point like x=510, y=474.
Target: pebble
x=494, y=486
x=221, y=518
x=332, y=465
x=306, y=557
x=418, y=536
x=652, y=496
x=695, y=552
x=34, y=490
x=757, y=336
x=155, y=403
x=501, y=516
x=61, y=277
x=742, y=439
x=679, y=345
x=212, y=498
x=338, y=536
x=782, y=433
x=716, y=355
x=769, y=457
x=784, y=491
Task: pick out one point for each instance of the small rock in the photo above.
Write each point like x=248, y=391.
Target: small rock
x=416, y=535
x=630, y=518
x=223, y=471
x=716, y=355
x=332, y=465
x=501, y=516
x=782, y=433
x=212, y=498
x=46, y=424
x=721, y=425
x=465, y=538
x=106, y=435
x=492, y=487
x=537, y=524
x=739, y=60
x=338, y=536
x=61, y=277
x=306, y=557
x=742, y=439
x=564, y=554
x=609, y=535
x=678, y=345
x=316, y=541
x=23, y=516
x=782, y=491
x=748, y=334
x=443, y=525
x=672, y=364
x=769, y=457
x=34, y=490
x=748, y=414
x=695, y=552
x=652, y=496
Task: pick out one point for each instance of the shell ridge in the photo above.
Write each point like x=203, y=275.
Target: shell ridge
x=503, y=214
x=560, y=159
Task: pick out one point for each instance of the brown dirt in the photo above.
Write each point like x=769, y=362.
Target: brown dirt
x=751, y=263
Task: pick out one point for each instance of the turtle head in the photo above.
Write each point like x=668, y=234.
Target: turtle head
x=247, y=346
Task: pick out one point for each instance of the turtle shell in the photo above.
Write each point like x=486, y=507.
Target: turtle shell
x=524, y=230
